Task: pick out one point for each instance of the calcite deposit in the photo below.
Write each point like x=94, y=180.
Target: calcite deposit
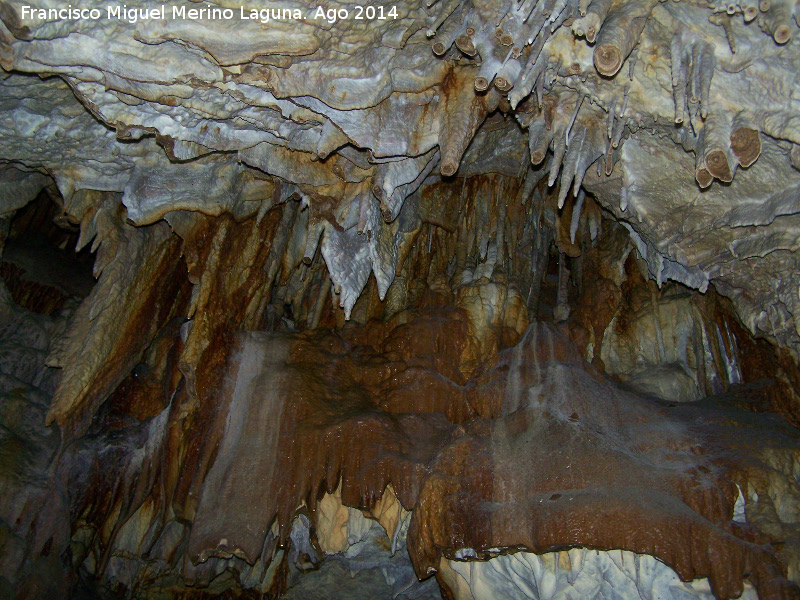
x=461, y=299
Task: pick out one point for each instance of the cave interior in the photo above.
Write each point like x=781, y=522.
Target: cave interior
x=424, y=300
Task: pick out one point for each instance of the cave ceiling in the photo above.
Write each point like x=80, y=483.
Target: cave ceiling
x=681, y=118
x=396, y=202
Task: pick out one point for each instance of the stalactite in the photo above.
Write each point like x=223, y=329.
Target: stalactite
x=559, y=150
x=706, y=73
x=745, y=141
x=448, y=32
x=591, y=22
x=749, y=10
x=465, y=43
x=678, y=77
x=571, y=161
x=489, y=68
x=531, y=75
x=353, y=119
x=619, y=34
x=462, y=111
x=448, y=9
x=724, y=21
x=714, y=150
x=539, y=138
x=507, y=76
x=576, y=215
x=777, y=20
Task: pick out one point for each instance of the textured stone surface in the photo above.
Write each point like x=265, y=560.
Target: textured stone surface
x=480, y=280
x=353, y=110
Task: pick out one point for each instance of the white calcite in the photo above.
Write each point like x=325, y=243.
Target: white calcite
x=578, y=573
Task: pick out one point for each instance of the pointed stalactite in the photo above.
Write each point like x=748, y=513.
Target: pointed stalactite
x=745, y=141
x=724, y=21
x=619, y=34
x=531, y=74
x=539, y=138
x=559, y=149
x=591, y=150
x=461, y=112
x=571, y=161
x=576, y=215
x=678, y=77
x=705, y=74
x=692, y=67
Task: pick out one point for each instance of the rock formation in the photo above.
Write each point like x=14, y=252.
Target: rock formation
x=447, y=299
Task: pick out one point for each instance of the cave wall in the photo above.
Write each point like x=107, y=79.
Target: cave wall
x=467, y=291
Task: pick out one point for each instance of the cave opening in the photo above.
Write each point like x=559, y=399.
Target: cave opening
x=40, y=264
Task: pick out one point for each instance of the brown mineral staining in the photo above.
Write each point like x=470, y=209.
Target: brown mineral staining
x=717, y=165
x=495, y=431
x=607, y=59
x=462, y=112
x=148, y=258
x=746, y=145
x=366, y=407
x=327, y=282
x=704, y=177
